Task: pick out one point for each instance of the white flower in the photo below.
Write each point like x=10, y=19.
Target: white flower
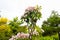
x=35, y=32
x=11, y=38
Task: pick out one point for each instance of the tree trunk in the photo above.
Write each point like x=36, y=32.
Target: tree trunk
x=31, y=32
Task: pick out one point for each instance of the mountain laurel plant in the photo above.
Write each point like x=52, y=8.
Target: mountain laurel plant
x=32, y=14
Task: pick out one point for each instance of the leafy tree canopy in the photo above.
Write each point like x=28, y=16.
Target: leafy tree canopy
x=52, y=25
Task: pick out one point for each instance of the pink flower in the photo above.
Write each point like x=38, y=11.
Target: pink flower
x=22, y=35
x=30, y=9
x=19, y=35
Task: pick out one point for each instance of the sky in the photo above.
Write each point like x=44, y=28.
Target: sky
x=13, y=8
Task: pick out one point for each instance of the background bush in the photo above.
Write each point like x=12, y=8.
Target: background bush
x=5, y=32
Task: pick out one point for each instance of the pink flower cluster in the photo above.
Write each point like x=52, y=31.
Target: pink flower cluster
x=22, y=35
x=19, y=35
x=30, y=9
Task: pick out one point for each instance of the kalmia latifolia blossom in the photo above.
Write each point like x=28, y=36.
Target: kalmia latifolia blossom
x=19, y=35
x=22, y=35
x=30, y=9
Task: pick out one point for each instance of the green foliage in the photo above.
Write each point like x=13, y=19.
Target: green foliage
x=54, y=19
x=51, y=26
x=38, y=29
x=5, y=32
x=23, y=29
x=34, y=37
x=15, y=26
x=53, y=37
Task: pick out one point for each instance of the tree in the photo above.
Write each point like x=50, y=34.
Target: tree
x=52, y=24
x=5, y=31
x=15, y=25
x=31, y=16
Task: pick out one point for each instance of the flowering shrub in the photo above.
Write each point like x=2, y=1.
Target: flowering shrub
x=19, y=35
x=31, y=16
x=22, y=35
